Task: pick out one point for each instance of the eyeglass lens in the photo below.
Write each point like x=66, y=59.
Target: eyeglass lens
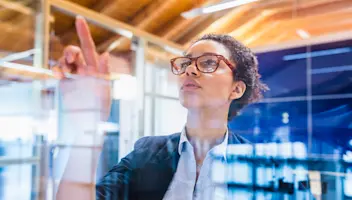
x=206, y=63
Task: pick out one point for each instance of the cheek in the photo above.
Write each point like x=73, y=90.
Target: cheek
x=220, y=86
x=180, y=80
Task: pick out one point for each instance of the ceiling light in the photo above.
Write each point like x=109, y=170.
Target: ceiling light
x=226, y=5
x=113, y=45
x=303, y=34
x=215, y=8
x=124, y=33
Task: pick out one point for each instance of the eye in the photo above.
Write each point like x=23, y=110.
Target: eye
x=182, y=63
x=185, y=64
x=208, y=62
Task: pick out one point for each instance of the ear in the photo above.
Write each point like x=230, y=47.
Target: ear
x=238, y=89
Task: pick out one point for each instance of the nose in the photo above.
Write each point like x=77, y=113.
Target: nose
x=191, y=70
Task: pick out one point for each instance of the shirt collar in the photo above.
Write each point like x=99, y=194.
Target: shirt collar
x=219, y=149
x=183, y=139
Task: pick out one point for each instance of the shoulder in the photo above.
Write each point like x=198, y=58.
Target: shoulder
x=156, y=142
x=149, y=148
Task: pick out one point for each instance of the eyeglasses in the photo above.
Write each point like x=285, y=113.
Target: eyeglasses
x=207, y=63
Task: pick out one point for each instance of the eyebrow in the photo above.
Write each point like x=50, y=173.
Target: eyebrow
x=190, y=54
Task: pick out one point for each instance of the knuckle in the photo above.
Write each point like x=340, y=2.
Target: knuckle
x=72, y=49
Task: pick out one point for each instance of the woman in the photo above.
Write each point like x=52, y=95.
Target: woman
x=215, y=74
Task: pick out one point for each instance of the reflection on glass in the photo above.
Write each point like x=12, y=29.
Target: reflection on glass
x=348, y=183
x=27, y=119
x=331, y=124
x=332, y=71
x=160, y=80
x=281, y=170
x=285, y=77
x=278, y=122
x=169, y=116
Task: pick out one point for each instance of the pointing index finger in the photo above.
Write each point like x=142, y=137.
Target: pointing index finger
x=87, y=43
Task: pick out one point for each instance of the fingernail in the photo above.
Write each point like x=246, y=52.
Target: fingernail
x=79, y=17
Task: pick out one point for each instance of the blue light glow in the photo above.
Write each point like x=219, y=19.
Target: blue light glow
x=317, y=53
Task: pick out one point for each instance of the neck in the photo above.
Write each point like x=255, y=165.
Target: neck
x=207, y=125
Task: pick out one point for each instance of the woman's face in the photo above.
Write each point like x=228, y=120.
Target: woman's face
x=205, y=90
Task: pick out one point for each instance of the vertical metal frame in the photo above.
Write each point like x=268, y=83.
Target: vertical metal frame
x=153, y=100
x=41, y=57
x=309, y=98
x=139, y=71
x=42, y=31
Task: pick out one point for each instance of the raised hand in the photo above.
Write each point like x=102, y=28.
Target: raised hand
x=92, y=68
x=83, y=60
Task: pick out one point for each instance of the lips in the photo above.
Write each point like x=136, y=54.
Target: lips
x=190, y=84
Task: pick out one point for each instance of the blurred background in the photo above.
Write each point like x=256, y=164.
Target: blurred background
x=304, y=48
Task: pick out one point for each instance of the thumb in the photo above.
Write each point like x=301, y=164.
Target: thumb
x=104, y=63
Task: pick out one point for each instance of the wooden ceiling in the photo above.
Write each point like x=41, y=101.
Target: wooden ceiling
x=265, y=22
x=261, y=23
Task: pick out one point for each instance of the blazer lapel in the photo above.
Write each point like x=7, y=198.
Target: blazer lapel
x=168, y=156
x=158, y=173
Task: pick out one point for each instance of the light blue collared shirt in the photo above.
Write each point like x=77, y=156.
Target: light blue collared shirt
x=184, y=185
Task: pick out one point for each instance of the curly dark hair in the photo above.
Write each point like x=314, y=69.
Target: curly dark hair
x=246, y=71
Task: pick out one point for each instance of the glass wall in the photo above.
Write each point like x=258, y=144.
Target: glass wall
x=303, y=124
x=307, y=112
x=27, y=106
x=165, y=114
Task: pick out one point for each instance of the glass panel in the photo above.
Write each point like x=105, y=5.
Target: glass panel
x=332, y=125
x=318, y=131
x=28, y=120
x=15, y=178
x=148, y=117
x=285, y=72
x=170, y=116
x=273, y=122
x=86, y=137
x=332, y=68
x=165, y=82
x=18, y=25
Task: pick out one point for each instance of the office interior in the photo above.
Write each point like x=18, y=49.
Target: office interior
x=301, y=131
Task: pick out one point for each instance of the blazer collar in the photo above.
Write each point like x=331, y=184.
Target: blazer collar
x=169, y=152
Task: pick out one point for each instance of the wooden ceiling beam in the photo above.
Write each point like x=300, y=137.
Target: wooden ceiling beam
x=152, y=18
x=111, y=24
x=63, y=22
x=121, y=10
x=341, y=25
x=253, y=28
x=239, y=16
x=17, y=39
x=221, y=25
x=181, y=26
x=304, y=23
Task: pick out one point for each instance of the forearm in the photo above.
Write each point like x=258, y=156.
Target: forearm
x=79, y=132
x=80, y=164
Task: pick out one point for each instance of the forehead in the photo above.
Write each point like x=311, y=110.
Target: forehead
x=207, y=46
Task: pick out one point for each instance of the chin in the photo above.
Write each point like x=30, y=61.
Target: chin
x=191, y=101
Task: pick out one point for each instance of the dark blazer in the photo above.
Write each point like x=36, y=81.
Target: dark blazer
x=147, y=171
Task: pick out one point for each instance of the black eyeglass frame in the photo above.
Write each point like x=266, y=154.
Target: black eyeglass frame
x=219, y=57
